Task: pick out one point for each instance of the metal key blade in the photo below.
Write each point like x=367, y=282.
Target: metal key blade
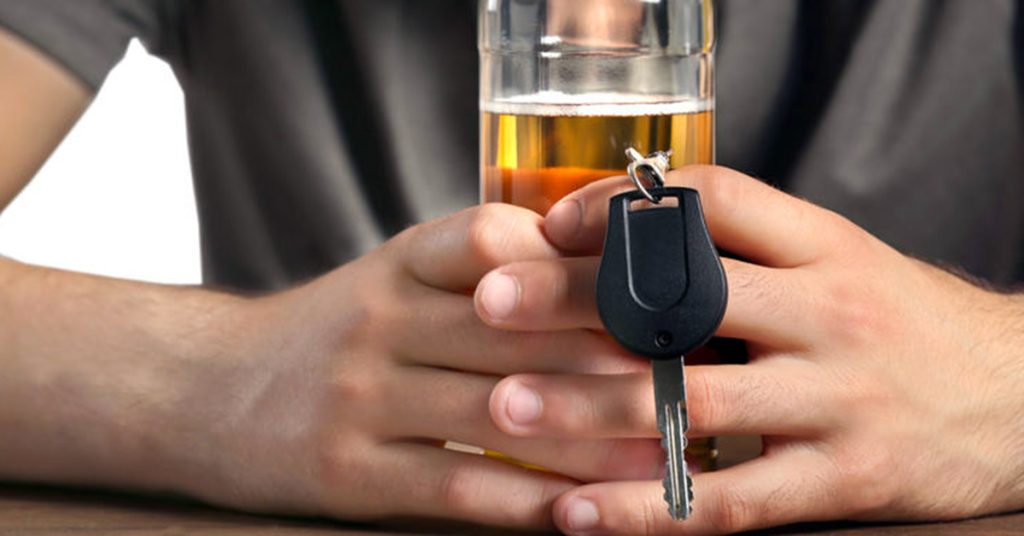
x=670, y=402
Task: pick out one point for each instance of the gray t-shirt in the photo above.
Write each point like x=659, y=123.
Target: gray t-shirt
x=318, y=128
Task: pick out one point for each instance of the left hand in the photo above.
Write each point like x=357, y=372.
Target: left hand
x=884, y=388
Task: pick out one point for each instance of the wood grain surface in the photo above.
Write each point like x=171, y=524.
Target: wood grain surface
x=41, y=511
x=27, y=510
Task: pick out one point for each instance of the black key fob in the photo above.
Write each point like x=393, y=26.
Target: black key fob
x=661, y=288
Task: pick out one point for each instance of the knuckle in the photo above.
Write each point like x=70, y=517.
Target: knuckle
x=355, y=389
x=635, y=415
x=866, y=477
x=645, y=518
x=490, y=231
x=370, y=316
x=731, y=511
x=621, y=409
x=706, y=404
x=555, y=291
x=852, y=313
x=721, y=192
x=568, y=411
x=460, y=489
x=586, y=414
x=845, y=242
x=338, y=462
x=849, y=388
x=841, y=233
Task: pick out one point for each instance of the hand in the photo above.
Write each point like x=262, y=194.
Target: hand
x=351, y=384
x=884, y=388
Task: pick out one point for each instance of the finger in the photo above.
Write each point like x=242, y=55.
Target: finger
x=765, y=305
x=745, y=217
x=427, y=481
x=768, y=491
x=541, y=295
x=763, y=398
x=449, y=334
x=770, y=306
x=454, y=252
x=461, y=415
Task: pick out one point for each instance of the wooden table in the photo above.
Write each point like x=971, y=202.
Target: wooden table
x=37, y=511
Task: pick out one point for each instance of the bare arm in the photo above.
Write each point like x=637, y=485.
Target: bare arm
x=39, y=102
x=70, y=410
x=93, y=371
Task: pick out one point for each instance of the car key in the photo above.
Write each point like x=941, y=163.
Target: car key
x=661, y=293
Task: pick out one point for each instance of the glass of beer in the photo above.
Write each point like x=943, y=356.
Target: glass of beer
x=566, y=86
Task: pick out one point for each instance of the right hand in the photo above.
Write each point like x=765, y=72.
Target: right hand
x=338, y=402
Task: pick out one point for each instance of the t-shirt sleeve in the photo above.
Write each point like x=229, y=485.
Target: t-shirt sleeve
x=87, y=37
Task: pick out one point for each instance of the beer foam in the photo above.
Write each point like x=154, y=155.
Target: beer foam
x=556, y=103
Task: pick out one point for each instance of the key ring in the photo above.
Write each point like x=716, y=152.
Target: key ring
x=653, y=168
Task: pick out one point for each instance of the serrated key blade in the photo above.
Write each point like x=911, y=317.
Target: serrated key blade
x=670, y=401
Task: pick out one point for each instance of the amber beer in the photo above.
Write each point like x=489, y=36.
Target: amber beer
x=533, y=154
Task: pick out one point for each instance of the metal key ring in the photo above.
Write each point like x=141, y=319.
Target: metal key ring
x=652, y=167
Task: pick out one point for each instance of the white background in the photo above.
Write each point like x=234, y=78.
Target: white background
x=116, y=197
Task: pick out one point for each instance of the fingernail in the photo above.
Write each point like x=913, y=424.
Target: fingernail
x=524, y=405
x=499, y=296
x=581, y=515
x=563, y=220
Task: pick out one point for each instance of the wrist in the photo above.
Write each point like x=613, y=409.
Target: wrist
x=93, y=368
x=173, y=419
x=221, y=439
x=998, y=352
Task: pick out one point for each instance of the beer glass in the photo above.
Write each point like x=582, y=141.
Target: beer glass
x=566, y=86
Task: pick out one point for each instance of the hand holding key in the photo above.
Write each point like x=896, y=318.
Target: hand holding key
x=338, y=394
x=884, y=388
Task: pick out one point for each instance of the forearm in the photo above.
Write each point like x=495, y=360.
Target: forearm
x=95, y=375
